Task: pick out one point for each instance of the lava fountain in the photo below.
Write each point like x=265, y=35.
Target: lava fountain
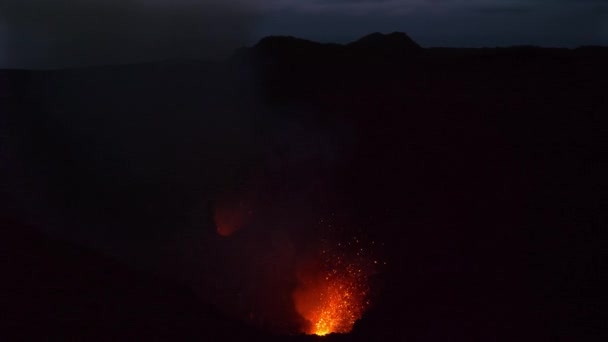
x=333, y=289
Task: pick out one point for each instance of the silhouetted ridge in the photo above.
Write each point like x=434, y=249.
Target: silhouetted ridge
x=292, y=49
x=292, y=46
x=395, y=42
x=288, y=49
x=284, y=42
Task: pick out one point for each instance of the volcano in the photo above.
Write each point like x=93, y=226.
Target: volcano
x=376, y=190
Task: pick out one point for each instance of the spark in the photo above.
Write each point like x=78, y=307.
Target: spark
x=334, y=293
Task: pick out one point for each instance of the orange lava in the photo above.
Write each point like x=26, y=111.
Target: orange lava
x=332, y=294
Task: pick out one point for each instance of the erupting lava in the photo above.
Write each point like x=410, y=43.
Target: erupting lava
x=333, y=292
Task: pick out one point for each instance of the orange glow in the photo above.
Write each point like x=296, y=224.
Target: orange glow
x=332, y=294
x=230, y=217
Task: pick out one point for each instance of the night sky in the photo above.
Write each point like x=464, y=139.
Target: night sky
x=43, y=34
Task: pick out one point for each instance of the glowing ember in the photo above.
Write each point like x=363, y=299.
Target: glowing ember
x=333, y=292
x=230, y=217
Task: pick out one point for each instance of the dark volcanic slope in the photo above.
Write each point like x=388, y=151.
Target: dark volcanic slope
x=477, y=167
x=55, y=290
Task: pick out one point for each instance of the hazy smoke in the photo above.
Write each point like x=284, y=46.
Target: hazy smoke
x=48, y=34
x=245, y=260
x=134, y=161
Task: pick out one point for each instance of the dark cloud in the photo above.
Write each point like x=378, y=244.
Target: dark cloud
x=506, y=9
x=355, y=1
x=40, y=33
